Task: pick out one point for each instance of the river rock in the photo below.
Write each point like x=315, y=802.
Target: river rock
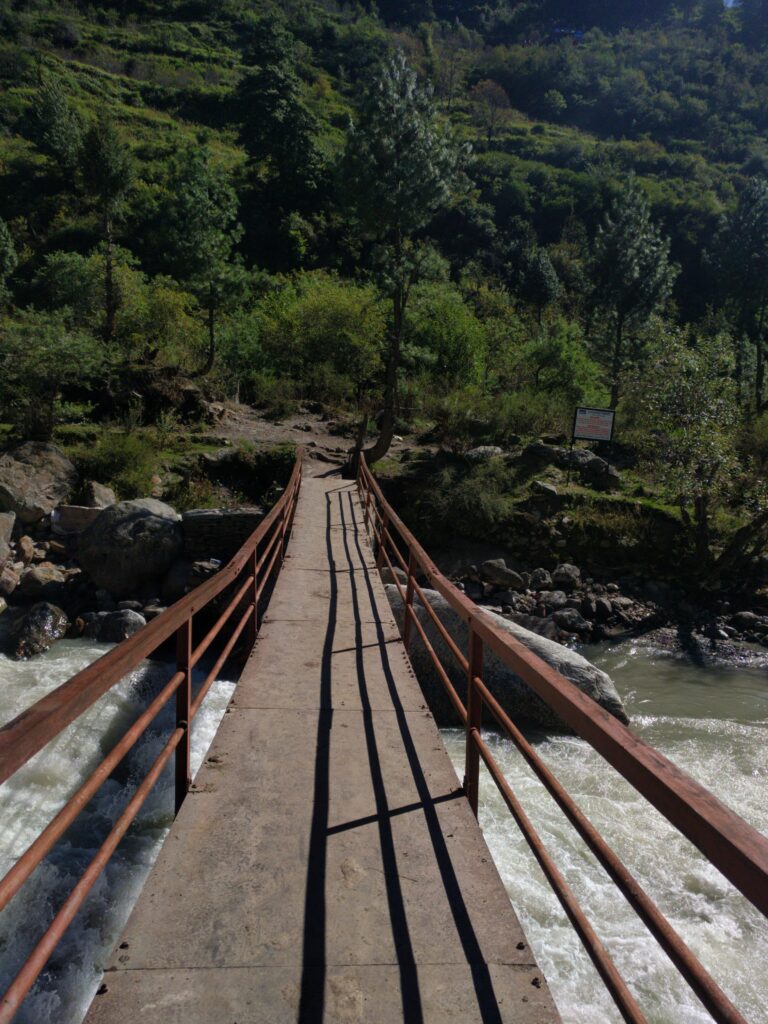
x=541, y=579
x=495, y=571
x=38, y=631
x=484, y=452
x=553, y=599
x=566, y=577
x=515, y=696
x=571, y=621
x=745, y=621
x=130, y=544
x=116, y=626
x=3, y=605
x=34, y=479
x=41, y=582
x=26, y=549
x=7, y=521
x=9, y=580
x=96, y=495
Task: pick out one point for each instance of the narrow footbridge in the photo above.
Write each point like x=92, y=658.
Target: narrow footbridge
x=326, y=865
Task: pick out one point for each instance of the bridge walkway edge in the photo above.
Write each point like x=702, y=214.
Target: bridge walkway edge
x=326, y=866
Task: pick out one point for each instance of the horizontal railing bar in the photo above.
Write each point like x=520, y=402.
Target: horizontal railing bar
x=34, y=964
x=739, y=851
x=599, y=955
x=275, y=538
x=450, y=642
x=266, y=576
x=395, y=580
x=34, y=728
x=56, y=828
x=211, y=677
x=221, y=622
x=455, y=699
x=711, y=995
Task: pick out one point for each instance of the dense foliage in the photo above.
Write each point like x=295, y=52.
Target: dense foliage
x=474, y=214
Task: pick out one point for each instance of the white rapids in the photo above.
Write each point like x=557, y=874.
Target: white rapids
x=31, y=798
x=713, y=723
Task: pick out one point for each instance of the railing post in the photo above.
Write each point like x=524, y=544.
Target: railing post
x=184, y=711
x=474, y=720
x=409, y=600
x=382, y=540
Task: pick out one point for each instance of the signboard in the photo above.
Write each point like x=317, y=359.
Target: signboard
x=593, y=424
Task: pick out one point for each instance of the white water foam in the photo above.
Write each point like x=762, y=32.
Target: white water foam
x=713, y=724
x=31, y=798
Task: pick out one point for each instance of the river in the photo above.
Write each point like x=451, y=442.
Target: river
x=36, y=792
x=711, y=721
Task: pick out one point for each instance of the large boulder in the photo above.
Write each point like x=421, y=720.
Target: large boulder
x=515, y=696
x=131, y=544
x=34, y=479
x=38, y=630
x=42, y=582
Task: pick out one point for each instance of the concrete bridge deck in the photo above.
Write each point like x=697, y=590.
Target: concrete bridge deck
x=326, y=866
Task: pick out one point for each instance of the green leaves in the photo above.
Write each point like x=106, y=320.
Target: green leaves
x=8, y=258
x=402, y=164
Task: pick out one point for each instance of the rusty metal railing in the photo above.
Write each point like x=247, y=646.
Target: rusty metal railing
x=247, y=576
x=725, y=839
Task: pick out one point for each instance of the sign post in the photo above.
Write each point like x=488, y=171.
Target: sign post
x=590, y=425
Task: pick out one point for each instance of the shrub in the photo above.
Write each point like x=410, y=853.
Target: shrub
x=126, y=461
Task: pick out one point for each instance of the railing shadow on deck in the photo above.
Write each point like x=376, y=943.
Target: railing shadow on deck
x=244, y=584
x=736, y=849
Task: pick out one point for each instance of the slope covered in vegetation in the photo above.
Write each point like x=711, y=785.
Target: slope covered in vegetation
x=537, y=204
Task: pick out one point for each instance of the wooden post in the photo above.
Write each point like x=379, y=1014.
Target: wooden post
x=253, y=597
x=474, y=720
x=184, y=711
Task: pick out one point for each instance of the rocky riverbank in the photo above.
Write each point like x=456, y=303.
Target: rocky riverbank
x=76, y=562
x=564, y=606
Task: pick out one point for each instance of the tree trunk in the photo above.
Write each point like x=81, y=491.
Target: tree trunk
x=701, y=517
x=208, y=365
x=387, y=429
x=110, y=298
x=616, y=362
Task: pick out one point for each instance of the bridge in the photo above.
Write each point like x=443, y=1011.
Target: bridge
x=326, y=865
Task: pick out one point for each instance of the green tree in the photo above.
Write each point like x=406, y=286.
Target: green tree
x=754, y=22
x=742, y=260
x=278, y=131
x=56, y=126
x=689, y=398
x=200, y=232
x=401, y=167
x=39, y=357
x=107, y=170
x=8, y=259
x=631, y=274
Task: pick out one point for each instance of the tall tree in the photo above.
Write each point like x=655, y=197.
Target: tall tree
x=742, y=260
x=631, y=274
x=8, y=259
x=278, y=131
x=200, y=232
x=56, y=126
x=754, y=22
x=107, y=170
x=400, y=168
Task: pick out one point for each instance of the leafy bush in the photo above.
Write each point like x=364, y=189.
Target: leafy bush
x=125, y=461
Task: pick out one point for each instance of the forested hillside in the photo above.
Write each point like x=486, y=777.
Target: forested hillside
x=470, y=215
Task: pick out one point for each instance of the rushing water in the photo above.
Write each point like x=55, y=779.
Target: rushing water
x=38, y=790
x=712, y=722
